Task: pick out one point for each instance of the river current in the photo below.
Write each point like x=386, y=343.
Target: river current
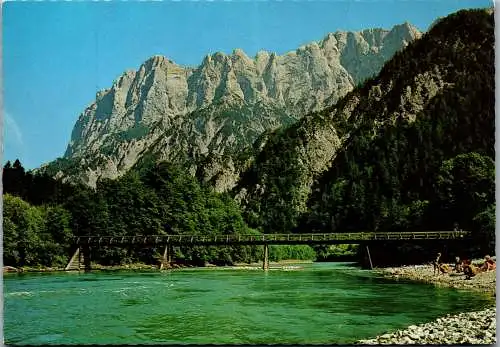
x=322, y=303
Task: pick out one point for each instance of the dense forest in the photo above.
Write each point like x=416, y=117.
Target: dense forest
x=42, y=214
x=429, y=166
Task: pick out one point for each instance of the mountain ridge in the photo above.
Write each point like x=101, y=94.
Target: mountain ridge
x=142, y=107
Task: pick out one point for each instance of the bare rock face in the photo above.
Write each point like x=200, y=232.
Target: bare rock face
x=169, y=112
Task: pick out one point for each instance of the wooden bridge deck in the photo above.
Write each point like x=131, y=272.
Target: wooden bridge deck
x=267, y=239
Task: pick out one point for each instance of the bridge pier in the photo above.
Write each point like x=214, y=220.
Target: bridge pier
x=265, y=264
x=167, y=256
x=85, y=251
x=369, y=256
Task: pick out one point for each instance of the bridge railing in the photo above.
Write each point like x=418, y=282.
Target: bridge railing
x=271, y=238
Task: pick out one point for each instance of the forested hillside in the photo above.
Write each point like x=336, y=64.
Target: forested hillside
x=411, y=149
x=422, y=156
x=42, y=214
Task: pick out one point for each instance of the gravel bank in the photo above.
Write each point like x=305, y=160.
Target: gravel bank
x=483, y=282
x=465, y=328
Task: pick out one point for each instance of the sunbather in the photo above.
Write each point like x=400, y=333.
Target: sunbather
x=444, y=268
x=489, y=264
x=470, y=270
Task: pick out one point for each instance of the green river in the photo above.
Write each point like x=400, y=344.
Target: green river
x=322, y=303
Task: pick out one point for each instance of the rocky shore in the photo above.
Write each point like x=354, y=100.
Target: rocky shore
x=465, y=328
x=483, y=282
x=477, y=327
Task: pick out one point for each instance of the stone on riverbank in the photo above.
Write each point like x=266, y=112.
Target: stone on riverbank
x=484, y=281
x=465, y=328
x=7, y=269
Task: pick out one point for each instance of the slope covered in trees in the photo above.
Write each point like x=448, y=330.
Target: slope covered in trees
x=34, y=235
x=390, y=153
x=423, y=157
x=42, y=214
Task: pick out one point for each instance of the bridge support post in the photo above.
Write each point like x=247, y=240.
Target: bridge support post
x=369, y=256
x=86, y=258
x=265, y=264
x=167, y=256
x=80, y=256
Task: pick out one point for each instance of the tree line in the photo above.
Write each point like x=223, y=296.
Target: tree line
x=42, y=214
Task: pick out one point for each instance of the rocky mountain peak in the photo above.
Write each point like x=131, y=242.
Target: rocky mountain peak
x=238, y=53
x=156, y=61
x=224, y=92
x=407, y=29
x=403, y=32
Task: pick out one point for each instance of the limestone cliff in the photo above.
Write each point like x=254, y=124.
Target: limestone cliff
x=164, y=111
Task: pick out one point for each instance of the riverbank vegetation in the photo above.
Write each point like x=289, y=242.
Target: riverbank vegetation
x=41, y=215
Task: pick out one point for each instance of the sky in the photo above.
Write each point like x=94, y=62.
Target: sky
x=58, y=54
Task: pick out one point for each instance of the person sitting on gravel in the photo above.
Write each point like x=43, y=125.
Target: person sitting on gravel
x=444, y=268
x=436, y=264
x=489, y=264
x=470, y=270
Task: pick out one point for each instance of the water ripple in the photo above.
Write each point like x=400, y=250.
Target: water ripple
x=322, y=304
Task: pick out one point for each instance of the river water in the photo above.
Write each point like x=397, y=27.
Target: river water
x=322, y=303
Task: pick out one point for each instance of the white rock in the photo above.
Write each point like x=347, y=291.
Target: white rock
x=151, y=108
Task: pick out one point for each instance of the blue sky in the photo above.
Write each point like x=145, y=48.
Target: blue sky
x=57, y=55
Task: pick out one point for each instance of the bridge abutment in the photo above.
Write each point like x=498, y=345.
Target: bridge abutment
x=74, y=262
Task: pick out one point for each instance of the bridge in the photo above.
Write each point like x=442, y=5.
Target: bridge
x=84, y=243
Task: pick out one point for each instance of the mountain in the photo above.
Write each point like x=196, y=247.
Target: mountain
x=206, y=114
x=412, y=148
